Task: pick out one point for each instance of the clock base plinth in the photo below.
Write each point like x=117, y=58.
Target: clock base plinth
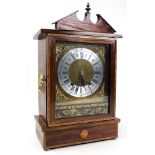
x=60, y=136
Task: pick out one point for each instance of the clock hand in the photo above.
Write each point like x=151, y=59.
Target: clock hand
x=81, y=78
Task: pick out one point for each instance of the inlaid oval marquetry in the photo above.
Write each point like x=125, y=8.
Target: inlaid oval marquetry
x=84, y=134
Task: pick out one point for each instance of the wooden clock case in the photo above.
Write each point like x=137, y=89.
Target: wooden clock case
x=53, y=132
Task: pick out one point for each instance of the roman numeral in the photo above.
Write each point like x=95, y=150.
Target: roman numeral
x=64, y=67
x=66, y=81
x=64, y=73
x=72, y=89
x=89, y=88
x=76, y=90
x=97, y=72
x=73, y=56
x=80, y=90
x=95, y=63
x=92, y=60
x=95, y=81
x=67, y=63
x=64, y=77
x=81, y=54
x=90, y=56
x=96, y=76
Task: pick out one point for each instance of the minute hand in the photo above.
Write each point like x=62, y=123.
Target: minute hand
x=81, y=78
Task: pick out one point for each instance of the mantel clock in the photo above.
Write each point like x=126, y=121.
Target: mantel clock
x=77, y=82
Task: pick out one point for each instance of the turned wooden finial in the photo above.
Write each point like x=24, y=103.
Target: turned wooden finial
x=87, y=14
x=88, y=8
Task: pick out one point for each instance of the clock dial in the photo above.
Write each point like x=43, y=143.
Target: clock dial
x=80, y=72
x=83, y=79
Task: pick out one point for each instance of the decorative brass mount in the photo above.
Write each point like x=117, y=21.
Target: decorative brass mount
x=42, y=80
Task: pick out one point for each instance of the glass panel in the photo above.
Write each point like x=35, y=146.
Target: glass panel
x=82, y=87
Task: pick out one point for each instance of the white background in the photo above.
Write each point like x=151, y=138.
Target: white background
x=20, y=20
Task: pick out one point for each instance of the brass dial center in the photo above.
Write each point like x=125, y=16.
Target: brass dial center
x=81, y=72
